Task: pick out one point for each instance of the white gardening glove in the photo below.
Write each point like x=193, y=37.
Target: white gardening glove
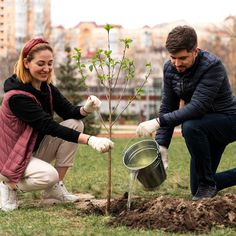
x=100, y=144
x=146, y=128
x=91, y=104
x=164, y=156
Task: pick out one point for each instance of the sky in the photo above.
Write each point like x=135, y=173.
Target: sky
x=137, y=13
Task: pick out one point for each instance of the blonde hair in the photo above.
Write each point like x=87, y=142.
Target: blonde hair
x=22, y=73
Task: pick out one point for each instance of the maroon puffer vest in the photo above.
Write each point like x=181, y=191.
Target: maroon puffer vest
x=17, y=140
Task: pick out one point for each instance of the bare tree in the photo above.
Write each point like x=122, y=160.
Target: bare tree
x=6, y=69
x=224, y=46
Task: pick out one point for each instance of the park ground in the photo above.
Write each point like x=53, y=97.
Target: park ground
x=165, y=211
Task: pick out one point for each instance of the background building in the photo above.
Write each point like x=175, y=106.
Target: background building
x=21, y=20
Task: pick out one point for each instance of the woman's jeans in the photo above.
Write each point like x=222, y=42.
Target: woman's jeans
x=206, y=139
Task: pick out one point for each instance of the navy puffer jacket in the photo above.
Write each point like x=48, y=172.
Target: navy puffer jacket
x=205, y=89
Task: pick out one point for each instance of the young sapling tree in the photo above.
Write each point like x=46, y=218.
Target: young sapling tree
x=110, y=73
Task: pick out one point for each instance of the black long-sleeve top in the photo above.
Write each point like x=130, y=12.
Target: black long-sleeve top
x=40, y=117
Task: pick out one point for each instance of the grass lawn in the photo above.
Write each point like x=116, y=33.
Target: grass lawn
x=89, y=175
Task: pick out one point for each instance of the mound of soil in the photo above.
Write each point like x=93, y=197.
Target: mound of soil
x=170, y=214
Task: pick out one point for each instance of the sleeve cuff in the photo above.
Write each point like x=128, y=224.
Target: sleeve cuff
x=162, y=120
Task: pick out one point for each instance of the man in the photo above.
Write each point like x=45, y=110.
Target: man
x=208, y=117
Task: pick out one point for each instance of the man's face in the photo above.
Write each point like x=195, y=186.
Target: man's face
x=183, y=59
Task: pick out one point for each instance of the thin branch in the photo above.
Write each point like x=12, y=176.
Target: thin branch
x=101, y=119
x=112, y=71
x=119, y=70
x=100, y=60
x=121, y=95
x=132, y=98
x=106, y=88
x=109, y=65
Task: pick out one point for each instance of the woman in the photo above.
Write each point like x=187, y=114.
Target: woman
x=30, y=138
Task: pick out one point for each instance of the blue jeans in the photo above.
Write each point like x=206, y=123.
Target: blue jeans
x=206, y=139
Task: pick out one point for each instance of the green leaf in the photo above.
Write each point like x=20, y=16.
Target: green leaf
x=99, y=51
x=108, y=53
x=100, y=77
x=139, y=91
x=91, y=68
x=127, y=42
x=108, y=27
x=148, y=65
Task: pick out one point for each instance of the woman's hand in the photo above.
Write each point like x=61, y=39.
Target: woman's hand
x=100, y=144
x=91, y=104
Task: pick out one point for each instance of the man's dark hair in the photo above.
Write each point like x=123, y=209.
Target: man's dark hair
x=180, y=38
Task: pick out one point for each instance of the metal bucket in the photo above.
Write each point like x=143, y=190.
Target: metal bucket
x=145, y=157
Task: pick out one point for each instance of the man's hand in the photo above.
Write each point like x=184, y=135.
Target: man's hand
x=100, y=144
x=164, y=156
x=91, y=104
x=146, y=128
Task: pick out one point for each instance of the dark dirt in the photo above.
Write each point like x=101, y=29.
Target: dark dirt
x=170, y=214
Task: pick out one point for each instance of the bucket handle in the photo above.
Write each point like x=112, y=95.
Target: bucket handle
x=128, y=143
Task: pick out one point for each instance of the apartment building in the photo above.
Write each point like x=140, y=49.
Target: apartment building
x=24, y=19
x=21, y=20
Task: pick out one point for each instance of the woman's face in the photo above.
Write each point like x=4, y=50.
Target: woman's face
x=41, y=65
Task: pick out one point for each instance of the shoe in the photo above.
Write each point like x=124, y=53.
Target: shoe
x=8, y=198
x=59, y=192
x=204, y=191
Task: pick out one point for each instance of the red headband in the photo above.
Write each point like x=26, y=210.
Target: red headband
x=30, y=44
